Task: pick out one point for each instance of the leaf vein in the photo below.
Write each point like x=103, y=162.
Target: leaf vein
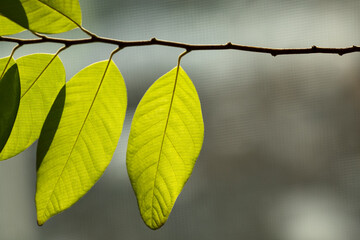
x=54, y=9
x=162, y=142
x=82, y=126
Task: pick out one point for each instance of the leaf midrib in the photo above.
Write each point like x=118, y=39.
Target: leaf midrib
x=77, y=137
x=162, y=144
x=37, y=78
x=28, y=89
x=54, y=9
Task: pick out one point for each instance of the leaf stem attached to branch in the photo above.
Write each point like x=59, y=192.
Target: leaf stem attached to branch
x=10, y=57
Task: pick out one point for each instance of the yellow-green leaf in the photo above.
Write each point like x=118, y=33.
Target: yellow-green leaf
x=8, y=27
x=85, y=139
x=9, y=102
x=43, y=16
x=165, y=140
x=12, y=9
x=41, y=78
x=50, y=126
x=4, y=62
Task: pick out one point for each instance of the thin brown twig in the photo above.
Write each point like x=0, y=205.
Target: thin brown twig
x=189, y=47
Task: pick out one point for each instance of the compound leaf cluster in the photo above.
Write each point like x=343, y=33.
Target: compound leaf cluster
x=79, y=122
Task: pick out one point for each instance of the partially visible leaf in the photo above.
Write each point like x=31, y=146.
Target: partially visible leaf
x=50, y=126
x=9, y=102
x=8, y=27
x=165, y=140
x=4, y=62
x=41, y=76
x=44, y=16
x=85, y=139
x=14, y=10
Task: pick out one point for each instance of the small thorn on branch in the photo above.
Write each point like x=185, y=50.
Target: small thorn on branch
x=153, y=40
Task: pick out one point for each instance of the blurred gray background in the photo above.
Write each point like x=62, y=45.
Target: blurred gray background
x=281, y=154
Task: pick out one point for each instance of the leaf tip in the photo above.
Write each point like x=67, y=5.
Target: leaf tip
x=153, y=225
x=40, y=223
x=41, y=218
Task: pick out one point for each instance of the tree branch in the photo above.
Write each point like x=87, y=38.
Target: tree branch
x=189, y=47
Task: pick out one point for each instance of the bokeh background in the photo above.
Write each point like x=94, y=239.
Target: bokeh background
x=281, y=154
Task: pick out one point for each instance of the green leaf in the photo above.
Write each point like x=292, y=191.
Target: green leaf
x=85, y=139
x=50, y=126
x=9, y=102
x=41, y=77
x=4, y=62
x=8, y=27
x=165, y=140
x=43, y=16
x=7, y=112
x=13, y=9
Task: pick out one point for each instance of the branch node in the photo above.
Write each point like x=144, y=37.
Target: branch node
x=273, y=54
x=314, y=47
x=229, y=44
x=94, y=37
x=120, y=46
x=153, y=40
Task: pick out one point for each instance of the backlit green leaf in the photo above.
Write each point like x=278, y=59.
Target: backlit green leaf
x=8, y=27
x=50, y=126
x=4, y=62
x=41, y=77
x=85, y=139
x=8, y=113
x=9, y=102
x=14, y=10
x=165, y=140
x=43, y=16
